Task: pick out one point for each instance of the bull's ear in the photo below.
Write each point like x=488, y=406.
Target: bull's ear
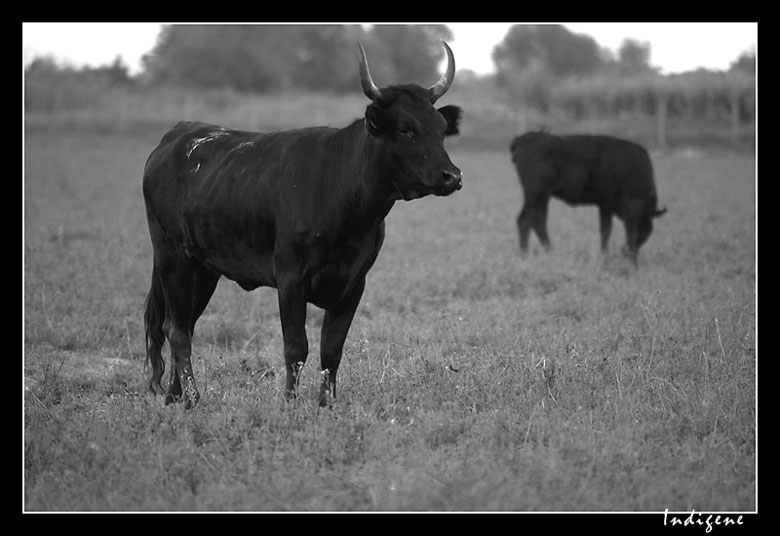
x=373, y=120
x=453, y=115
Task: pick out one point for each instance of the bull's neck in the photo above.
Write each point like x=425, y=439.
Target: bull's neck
x=371, y=193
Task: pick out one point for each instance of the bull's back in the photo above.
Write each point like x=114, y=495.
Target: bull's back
x=205, y=198
x=628, y=164
x=608, y=170
x=207, y=167
x=168, y=164
x=617, y=157
x=162, y=173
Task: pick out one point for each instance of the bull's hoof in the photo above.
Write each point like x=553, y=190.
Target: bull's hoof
x=172, y=397
x=326, y=401
x=190, y=401
x=191, y=394
x=327, y=389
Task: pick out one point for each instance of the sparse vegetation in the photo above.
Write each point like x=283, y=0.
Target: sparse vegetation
x=473, y=379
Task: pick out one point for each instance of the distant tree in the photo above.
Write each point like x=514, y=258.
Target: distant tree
x=49, y=86
x=276, y=57
x=407, y=53
x=550, y=48
x=634, y=57
x=115, y=74
x=246, y=58
x=746, y=63
x=531, y=58
x=42, y=66
x=326, y=57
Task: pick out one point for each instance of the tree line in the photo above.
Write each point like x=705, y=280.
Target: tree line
x=262, y=58
x=266, y=58
x=544, y=73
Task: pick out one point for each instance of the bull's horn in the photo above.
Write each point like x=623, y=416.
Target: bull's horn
x=369, y=88
x=440, y=88
x=660, y=212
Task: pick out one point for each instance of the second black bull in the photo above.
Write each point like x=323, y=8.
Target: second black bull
x=615, y=175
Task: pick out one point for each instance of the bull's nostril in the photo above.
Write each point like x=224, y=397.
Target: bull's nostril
x=451, y=176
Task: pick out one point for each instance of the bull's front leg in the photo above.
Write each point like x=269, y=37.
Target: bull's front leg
x=292, y=310
x=335, y=326
x=605, y=228
x=524, y=228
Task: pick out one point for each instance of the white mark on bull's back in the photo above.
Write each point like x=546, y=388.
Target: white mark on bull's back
x=244, y=144
x=197, y=142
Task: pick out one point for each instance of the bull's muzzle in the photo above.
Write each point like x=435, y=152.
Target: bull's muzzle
x=451, y=180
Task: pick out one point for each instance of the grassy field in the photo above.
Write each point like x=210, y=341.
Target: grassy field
x=582, y=384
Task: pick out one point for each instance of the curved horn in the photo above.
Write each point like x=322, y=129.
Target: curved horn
x=440, y=88
x=369, y=88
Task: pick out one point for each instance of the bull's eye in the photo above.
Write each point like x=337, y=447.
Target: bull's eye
x=406, y=132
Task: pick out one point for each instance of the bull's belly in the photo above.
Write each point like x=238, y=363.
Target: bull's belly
x=331, y=281
x=325, y=289
x=329, y=285
x=326, y=285
x=249, y=271
x=582, y=197
x=574, y=201
x=226, y=251
x=329, y=273
x=575, y=196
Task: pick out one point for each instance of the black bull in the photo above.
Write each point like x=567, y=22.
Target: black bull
x=615, y=175
x=300, y=210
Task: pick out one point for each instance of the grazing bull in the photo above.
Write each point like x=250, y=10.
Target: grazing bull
x=613, y=174
x=299, y=210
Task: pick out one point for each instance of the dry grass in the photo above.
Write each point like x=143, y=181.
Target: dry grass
x=581, y=384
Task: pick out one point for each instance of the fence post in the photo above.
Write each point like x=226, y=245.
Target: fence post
x=122, y=108
x=734, y=103
x=520, y=119
x=661, y=99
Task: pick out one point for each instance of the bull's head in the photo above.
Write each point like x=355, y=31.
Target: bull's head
x=411, y=132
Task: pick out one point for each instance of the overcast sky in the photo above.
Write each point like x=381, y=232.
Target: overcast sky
x=675, y=47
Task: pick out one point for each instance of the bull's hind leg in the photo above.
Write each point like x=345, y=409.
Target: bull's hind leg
x=205, y=283
x=524, y=227
x=187, y=288
x=540, y=222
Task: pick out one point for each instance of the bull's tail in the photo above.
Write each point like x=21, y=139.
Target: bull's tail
x=154, y=315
